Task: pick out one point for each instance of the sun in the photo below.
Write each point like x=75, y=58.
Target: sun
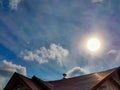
x=93, y=44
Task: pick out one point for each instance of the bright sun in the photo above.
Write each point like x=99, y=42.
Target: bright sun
x=93, y=44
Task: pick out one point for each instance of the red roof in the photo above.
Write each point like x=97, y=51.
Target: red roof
x=85, y=82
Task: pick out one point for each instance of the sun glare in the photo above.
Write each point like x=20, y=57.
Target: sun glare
x=93, y=44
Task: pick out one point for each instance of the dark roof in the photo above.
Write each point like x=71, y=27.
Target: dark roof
x=85, y=82
x=30, y=83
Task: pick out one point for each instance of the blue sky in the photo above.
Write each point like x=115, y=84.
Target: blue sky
x=46, y=37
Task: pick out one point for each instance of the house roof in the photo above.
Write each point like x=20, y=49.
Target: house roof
x=25, y=80
x=85, y=82
x=29, y=82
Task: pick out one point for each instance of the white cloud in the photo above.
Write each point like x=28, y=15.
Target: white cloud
x=34, y=56
x=13, y=4
x=10, y=67
x=76, y=71
x=43, y=55
x=97, y=1
x=7, y=69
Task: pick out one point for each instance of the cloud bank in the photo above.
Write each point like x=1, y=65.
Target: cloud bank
x=44, y=55
x=7, y=69
x=76, y=71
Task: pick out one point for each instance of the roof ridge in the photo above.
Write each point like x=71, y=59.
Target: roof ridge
x=18, y=76
x=99, y=83
x=21, y=75
x=42, y=83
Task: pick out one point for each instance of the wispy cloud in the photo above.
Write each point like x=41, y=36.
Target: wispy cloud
x=112, y=56
x=115, y=54
x=7, y=69
x=2, y=82
x=0, y=3
x=43, y=55
x=13, y=4
x=111, y=52
x=97, y=1
x=76, y=71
